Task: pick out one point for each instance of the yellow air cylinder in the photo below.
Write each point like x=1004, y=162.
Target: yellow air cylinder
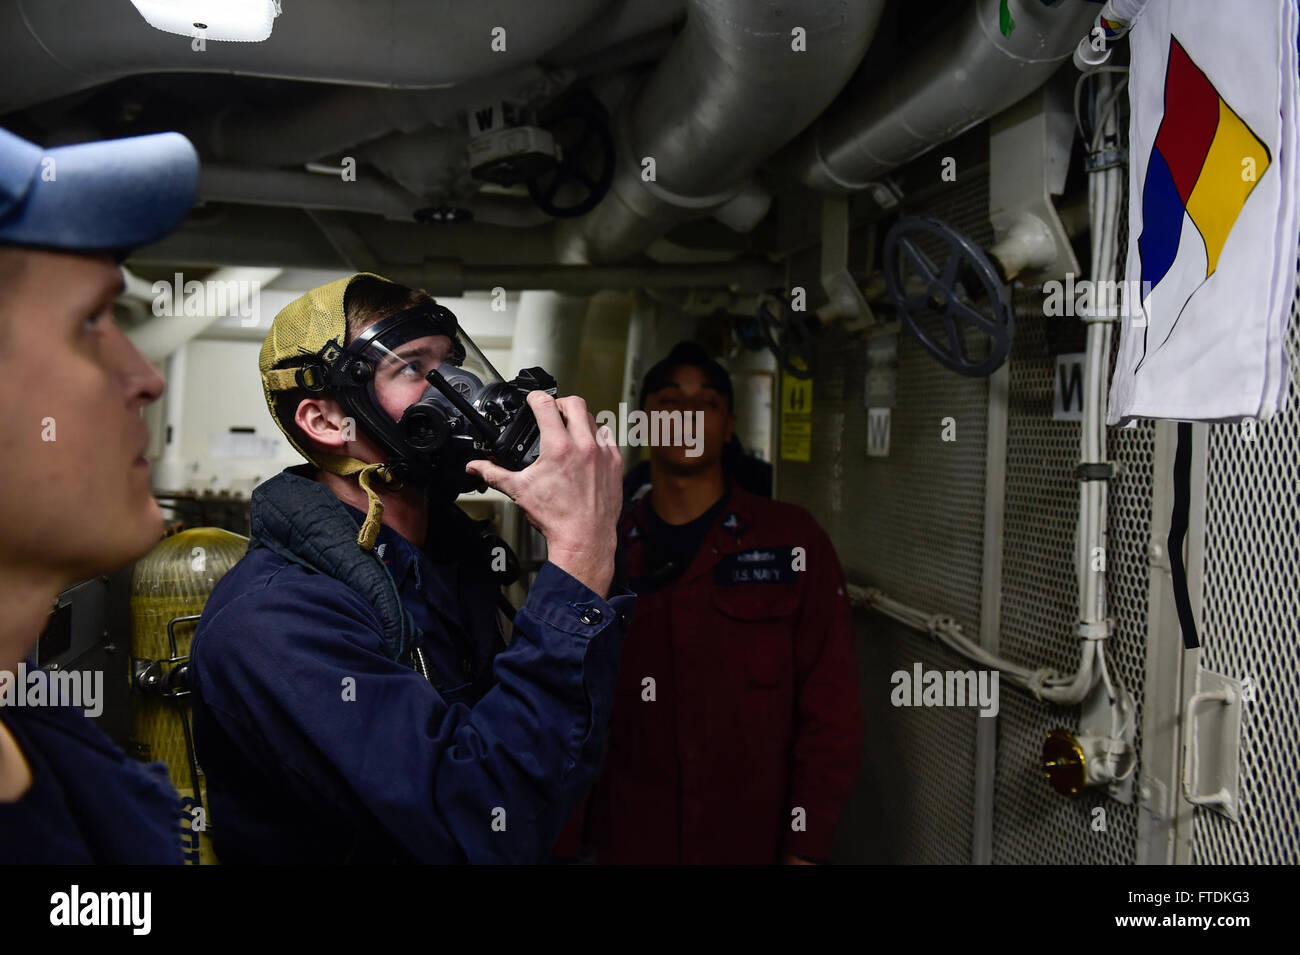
x=170, y=583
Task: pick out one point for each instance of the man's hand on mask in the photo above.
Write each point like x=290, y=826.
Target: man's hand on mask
x=572, y=493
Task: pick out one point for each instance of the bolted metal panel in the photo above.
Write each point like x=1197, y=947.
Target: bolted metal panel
x=1250, y=614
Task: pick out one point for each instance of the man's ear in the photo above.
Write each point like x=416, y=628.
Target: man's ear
x=321, y=420
x=731, y=427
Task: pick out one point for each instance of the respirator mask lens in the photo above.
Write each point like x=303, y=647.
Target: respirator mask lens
x=434, y=399
x=401, y=356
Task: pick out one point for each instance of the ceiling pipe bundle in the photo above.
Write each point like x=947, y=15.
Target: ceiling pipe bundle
x=978, y=66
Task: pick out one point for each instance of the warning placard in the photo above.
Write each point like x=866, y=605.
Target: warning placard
x=796, y=418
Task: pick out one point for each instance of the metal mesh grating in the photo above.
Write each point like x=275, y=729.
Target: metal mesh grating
x=1031, y=823
x=936, y=747
x=1251, y=614
x=912, y=522
x=912, y=525
x=886, y=517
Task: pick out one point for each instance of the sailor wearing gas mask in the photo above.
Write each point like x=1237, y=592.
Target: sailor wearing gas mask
x=736, y=728
x=356, y=700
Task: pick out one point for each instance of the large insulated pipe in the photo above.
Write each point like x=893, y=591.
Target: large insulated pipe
x=170, y=472
x=742, y=79
x=977, y=67
x=548, y=333
x=636, y=361
x=183, y=309
x=52, y=49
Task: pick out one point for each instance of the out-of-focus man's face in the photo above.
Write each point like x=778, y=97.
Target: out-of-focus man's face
x=689, y=392
x=77, y=499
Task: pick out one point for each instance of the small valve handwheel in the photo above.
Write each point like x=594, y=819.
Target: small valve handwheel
x=582, y=177
x=923, y=290
x=784, y=331
x=1064, y=763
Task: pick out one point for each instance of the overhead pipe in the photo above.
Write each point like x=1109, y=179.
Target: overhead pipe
x=338, y=120
x=1113, y=23
x=730, y=91
x=548, y=333
x=252, y=185
x=368, y=194
x=217, y=234
x=636, y=361
x=425, y=254
x=170, y=471
x=455, y=278
x=976, y=68
x=237, y=291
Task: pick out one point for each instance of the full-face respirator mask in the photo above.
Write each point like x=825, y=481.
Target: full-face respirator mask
x=466, y=411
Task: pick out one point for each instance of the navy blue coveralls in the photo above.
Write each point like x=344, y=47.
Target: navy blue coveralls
x=320, y=745
x=89, y=803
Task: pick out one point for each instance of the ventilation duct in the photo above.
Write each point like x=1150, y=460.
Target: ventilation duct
x=973, y=70
x=728, y=94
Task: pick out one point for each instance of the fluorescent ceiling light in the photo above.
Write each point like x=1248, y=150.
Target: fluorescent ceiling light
x=248, y=21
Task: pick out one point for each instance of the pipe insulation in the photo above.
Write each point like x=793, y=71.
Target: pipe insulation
x=742, y=79
x=970, y=72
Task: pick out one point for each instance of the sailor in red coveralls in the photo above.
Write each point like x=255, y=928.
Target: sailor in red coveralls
x=736, y=729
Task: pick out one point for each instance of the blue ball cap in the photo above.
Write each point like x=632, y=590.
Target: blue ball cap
x=108, y=196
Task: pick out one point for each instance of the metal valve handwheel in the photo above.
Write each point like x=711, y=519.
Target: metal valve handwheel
x=586, y=169
x=784, y=331
x=924, y=290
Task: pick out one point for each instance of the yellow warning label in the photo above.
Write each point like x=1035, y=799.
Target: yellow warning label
x=796, y=418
